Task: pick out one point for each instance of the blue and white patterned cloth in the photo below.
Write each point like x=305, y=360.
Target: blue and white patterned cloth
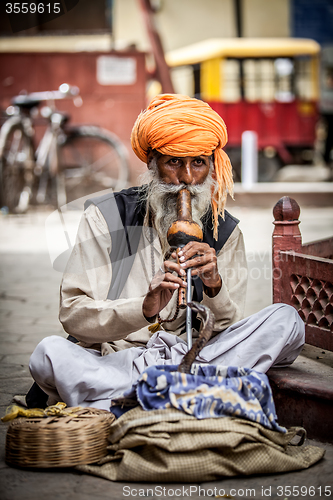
x=209, y=392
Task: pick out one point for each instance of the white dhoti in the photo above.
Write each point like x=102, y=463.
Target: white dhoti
x=82, y=377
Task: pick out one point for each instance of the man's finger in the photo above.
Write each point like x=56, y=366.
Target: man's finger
x=160, y=279
x=172, y=267
x=200, y=249
x=199, y=261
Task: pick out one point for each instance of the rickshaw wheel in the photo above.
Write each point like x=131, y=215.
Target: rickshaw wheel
x=267, y=167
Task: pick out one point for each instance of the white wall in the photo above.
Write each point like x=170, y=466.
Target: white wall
x=182, y=22
x=266, y=18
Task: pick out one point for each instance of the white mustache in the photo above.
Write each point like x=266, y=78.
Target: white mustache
x=175, y=188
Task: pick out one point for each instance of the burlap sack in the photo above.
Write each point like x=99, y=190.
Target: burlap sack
x=171, y=446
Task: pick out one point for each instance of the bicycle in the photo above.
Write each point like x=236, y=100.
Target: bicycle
x=70, y=161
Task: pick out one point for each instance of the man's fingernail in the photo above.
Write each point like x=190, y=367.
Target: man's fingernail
x=182, y=272
x=181, y=258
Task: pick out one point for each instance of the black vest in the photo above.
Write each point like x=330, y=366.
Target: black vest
x=124, y=214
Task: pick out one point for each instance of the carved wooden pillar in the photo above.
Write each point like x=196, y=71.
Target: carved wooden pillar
x=286, y=237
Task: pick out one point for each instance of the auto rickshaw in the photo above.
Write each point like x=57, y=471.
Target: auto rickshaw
x=267, y=85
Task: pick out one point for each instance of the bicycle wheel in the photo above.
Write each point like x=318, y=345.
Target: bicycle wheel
x=92, y=159
x=16, y=169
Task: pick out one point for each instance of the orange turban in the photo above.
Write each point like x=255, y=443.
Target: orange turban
x=177, y=125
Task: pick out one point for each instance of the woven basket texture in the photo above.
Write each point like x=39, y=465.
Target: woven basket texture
x=59, y=441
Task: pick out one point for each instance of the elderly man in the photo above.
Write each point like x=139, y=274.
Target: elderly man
x=119, y=286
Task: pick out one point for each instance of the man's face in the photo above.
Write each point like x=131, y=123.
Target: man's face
x=168, y=174
x=189, y=170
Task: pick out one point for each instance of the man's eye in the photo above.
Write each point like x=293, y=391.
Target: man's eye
x=174, y=161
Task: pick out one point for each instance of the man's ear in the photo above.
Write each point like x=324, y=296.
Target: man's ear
x=150, y=156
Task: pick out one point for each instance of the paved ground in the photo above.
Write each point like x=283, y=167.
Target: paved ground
x=29, y=293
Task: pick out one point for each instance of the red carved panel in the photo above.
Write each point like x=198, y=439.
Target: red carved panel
x=313, y=300
x=303, y=274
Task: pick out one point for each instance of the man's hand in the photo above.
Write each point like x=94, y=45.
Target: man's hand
x=202, y=260
x=162, y=287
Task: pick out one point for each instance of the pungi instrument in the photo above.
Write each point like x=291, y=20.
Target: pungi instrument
x=181, y=232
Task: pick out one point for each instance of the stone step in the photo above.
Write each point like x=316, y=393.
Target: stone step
x=303, y=393
x=265, y=194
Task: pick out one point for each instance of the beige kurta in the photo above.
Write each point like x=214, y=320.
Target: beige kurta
x=87, y=313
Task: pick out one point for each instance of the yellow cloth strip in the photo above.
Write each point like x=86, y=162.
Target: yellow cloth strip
x=57, y=410
x=154, y=328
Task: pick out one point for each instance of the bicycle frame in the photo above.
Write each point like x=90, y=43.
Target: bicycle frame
x=47, y=157
x=20, y=122
x=45, y=162
x=86, y=154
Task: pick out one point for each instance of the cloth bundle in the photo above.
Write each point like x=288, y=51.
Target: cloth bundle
x=209, y=392
x=170, y=446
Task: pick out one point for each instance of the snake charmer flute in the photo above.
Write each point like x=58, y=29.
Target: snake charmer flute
x=181, y=232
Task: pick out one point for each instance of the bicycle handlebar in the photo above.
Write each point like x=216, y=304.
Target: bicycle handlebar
x=65, y=91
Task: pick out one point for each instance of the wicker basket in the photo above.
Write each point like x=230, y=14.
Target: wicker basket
x=59, y=441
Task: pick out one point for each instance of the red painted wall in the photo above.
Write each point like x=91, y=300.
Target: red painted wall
x=114, y=107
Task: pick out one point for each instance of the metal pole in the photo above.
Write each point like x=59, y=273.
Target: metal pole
x=188, y=310
x=249, y=159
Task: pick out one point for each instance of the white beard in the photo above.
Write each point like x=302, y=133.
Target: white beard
x=161, y=201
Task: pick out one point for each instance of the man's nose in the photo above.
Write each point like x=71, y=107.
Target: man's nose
x=185, y=173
